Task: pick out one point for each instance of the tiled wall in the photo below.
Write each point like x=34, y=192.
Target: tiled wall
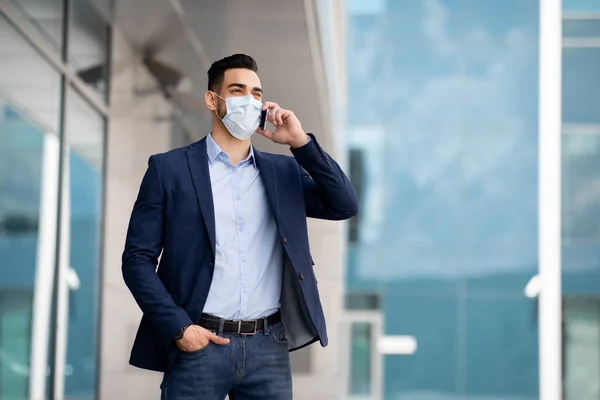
x=136, y=130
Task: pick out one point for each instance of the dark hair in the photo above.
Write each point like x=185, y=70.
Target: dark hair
x=217, y=70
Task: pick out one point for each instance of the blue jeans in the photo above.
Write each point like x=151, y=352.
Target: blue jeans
x=254, y=367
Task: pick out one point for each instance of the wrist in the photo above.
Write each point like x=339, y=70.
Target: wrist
x=180, y=333
x=299, y=141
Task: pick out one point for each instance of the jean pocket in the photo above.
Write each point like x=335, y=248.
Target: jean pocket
x=195, y=352
x=277, y=333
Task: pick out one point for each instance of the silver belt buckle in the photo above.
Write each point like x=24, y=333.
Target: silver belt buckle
x=239, y=329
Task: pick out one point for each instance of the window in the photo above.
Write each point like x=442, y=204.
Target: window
x=362, y=332
x=581, y=347
x=29, y=154
x=38, y=108
x=88, y=45
x=360, y=359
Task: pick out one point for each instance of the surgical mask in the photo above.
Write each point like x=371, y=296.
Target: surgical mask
x=243, y=115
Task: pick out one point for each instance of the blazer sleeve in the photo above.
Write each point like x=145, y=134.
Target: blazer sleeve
x=142, y=248
x=328, y=193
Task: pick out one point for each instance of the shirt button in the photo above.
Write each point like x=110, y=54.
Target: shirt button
x=284, y=239
x=244, y=259
x=301, y=276
x=238, y=197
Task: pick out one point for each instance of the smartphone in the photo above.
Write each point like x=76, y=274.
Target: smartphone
x=263, y=119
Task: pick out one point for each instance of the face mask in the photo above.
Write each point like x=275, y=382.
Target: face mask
x=243, y=115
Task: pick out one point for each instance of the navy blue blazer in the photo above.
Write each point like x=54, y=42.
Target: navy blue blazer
x=173, y=218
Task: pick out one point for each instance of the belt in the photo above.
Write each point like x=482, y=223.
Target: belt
x=238, y=327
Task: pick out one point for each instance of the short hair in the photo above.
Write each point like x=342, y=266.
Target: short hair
x=216, y=72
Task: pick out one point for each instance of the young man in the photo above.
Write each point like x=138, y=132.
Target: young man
x=235, y=290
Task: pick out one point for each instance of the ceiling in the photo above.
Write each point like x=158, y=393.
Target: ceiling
x=191, y=34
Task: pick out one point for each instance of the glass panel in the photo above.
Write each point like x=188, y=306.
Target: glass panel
x=581, y=6
x=26, y=80
x=29, y=115
x=21, y=156
x=581, y=349
x=582, y=28
x=580, y=94
x=85, y=133
x=88, y=45
x=435, y=370
x=46, y=17
x=581, y=207
x=503, y=329
x=443, y=111
x=581, y=201
x=360, y=358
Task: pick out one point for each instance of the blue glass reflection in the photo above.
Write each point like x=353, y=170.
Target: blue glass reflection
x=581, y=207
x=443, y=108
x=580, y=95
x=21, y=157
x=580, y=5
x=85, y=197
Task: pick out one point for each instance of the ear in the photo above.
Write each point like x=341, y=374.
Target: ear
x=210, y=99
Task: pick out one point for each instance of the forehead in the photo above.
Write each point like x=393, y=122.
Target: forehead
x=241, y=75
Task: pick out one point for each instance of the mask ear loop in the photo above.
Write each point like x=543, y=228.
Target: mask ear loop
x=216, y=113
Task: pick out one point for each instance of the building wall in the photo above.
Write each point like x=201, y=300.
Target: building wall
x=139, y=126
x=326, y=379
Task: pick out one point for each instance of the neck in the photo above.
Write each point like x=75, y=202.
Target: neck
x=236, y=149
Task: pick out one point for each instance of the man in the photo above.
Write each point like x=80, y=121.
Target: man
x=235, y=290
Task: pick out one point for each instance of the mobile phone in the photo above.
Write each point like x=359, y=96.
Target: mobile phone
x=263, y=119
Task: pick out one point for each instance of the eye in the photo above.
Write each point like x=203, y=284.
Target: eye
x=258, y=95
x=238, y=90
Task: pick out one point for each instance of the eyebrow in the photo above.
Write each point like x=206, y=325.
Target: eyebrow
x=243, y=86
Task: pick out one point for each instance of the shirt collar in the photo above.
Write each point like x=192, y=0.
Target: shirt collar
x=213, y=151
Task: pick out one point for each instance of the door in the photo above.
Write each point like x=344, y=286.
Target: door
x=362, y=331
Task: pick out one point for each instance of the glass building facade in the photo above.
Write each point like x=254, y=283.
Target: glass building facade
x=52, y=135
x=443, y=150
x=580, y=199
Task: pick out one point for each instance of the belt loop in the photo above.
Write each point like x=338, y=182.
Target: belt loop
x=221, y=325
x=265, y=326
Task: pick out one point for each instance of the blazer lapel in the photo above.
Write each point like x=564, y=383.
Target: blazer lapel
x=198, y=164
x=268, y=174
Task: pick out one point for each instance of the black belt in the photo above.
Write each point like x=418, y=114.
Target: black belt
x=238, y=327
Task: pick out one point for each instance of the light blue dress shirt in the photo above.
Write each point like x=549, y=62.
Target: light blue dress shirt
x=246, y=284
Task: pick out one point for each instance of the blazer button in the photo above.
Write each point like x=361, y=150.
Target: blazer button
x=284, y=239
x=301, y=276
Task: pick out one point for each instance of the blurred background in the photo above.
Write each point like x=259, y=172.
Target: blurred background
x=431, y=107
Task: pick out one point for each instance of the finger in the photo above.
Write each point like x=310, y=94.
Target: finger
x=285, y=114
x=218, y=339
x=269, y=105
x=272, y=115
x=266, y=133
x=280, y=115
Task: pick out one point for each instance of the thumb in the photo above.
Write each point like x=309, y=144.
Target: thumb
x=266, y=133
x=217, y=339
